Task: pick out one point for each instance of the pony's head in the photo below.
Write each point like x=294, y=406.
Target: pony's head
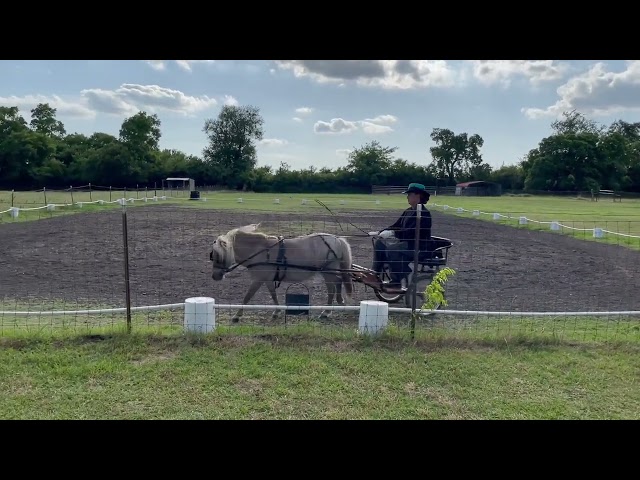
x=222, y=253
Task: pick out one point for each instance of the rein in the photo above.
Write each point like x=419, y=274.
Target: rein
x=339, y=224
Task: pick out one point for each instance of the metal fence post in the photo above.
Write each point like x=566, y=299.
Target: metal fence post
x=126, y=265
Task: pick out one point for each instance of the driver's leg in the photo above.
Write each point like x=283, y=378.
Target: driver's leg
x=379, y=255
x=396, y=255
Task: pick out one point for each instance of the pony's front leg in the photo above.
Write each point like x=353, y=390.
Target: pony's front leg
x=272, y=290
x=253, y=288
x=331, y=290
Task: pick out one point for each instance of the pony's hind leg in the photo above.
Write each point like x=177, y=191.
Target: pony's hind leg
x=330, y=282
x=253, y=288
x=274, y=296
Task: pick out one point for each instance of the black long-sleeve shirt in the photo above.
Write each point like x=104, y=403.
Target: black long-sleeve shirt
x=405, y=227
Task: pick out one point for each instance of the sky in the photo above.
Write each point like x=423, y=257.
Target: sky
x=316, y=111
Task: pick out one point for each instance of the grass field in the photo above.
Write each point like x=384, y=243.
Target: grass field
x=310, y=375
x=578, y=217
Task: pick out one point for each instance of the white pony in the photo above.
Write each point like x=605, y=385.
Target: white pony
x=271, y=259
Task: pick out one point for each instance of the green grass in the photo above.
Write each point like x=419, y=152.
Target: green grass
x=302, y=375
x=574, y=214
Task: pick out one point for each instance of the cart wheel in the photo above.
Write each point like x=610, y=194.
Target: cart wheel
x=388, y=297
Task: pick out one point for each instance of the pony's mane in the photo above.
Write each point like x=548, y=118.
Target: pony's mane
x=230, y=236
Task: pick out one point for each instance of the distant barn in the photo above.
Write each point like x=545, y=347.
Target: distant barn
x=479, y=188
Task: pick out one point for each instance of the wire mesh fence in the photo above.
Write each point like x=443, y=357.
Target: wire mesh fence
x=510, y=280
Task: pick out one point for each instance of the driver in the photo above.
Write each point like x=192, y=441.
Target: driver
x=395, y=244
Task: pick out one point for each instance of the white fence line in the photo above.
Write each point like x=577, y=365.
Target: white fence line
x=523, y=220
x=352, y=308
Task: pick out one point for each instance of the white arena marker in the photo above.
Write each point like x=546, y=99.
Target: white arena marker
x=598, y=233
x=51, y=207
x=199, y=314
x=342, y=202
x=374, y=316
x=555, y=226
x=122, y=201
x=460, y=210
x=445, y=207
x=522, y=221
x=496, y=216
x=476, y=212
x=240, y=200
x=277, y=200
x=304, y=201
x=14, y=211
x=377, y=202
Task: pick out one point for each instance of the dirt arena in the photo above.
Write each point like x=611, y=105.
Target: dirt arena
x=78, y=260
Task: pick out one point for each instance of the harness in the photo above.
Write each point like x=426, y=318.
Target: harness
x=281, y=262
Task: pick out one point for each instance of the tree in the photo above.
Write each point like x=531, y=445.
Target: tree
x=455, y=155
x=371, y=163
x=141, y=132
x=231, y=153
x=575, y=123
x=43, y=120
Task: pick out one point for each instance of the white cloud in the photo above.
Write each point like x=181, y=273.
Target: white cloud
x=130, y=98
x=183, y=64
x=297, y=119
x=596, y=92
x=303, y=111
x=230, y=100
x=492, y=72
x=336, y=125
x=64, y=107
x=126, y=100
x=371, y=126
x=343, y=152
x=388, y=74
x=157, y=64
x=382, y=119
x=273, y=142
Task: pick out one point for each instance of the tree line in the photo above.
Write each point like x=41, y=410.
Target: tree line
x=579, y=155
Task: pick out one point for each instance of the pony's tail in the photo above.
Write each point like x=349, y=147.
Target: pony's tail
x=346, y=262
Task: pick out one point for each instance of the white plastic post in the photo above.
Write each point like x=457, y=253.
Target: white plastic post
x=377, y=202
x=199, y=314
x=155, y=199
x=51, y=207
x=445, y=207
x=277, y=200
x=555, y=226
x=460, y=210
x=122, y=201
x=101, y=202
x=342, y=202
x=163, y=197
x=476, y=212
x=14, y=211
x=598, y=233
x=304, y=201
x=80, y=204
x=496, y=216
x=240, y=200
x=374, y=316
x=522, y=221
